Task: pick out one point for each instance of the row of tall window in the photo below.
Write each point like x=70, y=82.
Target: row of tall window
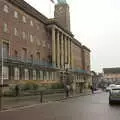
x=16, y=15
x=25, y=36
x=23, y=54
x=5, y=49
x=41, y=75
x=78, y=77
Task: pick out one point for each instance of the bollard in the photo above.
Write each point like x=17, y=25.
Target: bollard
x=1, y=98
x=41, y=97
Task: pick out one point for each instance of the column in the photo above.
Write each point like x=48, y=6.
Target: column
x=53, y=47
x=58, y=50
x=62, y=51
x=47, y=75
x=66, y=52
x=55, y=77
x=71, y=54
x=69, y=58
x=52, y=75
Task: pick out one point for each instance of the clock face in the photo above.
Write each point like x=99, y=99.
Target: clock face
x=60, y=9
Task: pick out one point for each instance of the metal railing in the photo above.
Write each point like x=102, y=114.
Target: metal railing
x=29, y=61
x=79, y=71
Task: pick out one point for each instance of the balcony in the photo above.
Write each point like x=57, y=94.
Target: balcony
x=39, y=63
x=80, y=71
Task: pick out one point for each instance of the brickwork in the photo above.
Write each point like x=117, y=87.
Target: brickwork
x=31, y=35
x=38, y=31
x=77, y=56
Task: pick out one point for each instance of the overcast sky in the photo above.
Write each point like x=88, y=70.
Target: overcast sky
x=96, y=24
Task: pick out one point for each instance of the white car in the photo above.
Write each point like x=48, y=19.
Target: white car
x=110, y=87
x=114, y=95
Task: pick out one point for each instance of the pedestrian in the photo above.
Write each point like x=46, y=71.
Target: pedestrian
x=71, y=91
x=67, y=90
x=17, y=90
x=91, y=87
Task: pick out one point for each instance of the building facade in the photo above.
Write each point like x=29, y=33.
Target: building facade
x=112, y=75
x=34, y=47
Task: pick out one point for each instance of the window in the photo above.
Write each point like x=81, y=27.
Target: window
x=5, y=9
x=5, y=49
x=16, y=74
x=34, y=74
x=41, y=75
x=26, y=74
x=15, y=14
x=23, y=35
x=31, y=23
x=31, y=58
x=15, y=32
x=5, y=27
x=44, y=44
x=5, y=72
x=47, y=75
x=31, y=38
x=50, y=75
x=24, y=19
x=44, y=74
x=38, y=56
x=24, y=53
x=15, y=53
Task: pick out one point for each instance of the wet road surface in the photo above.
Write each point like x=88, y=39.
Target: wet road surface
x=91, y=107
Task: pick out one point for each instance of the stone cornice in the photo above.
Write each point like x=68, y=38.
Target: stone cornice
x=84, y=47
x=77, y=43
x=54, y=22
x=40, y=17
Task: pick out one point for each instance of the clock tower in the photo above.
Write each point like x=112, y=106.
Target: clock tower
x=62, y=14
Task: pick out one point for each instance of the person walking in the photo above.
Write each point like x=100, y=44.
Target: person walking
x=91, y=87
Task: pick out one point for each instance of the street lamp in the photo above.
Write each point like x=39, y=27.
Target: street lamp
x=1, y=83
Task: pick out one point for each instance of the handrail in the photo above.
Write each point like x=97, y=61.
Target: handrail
x=29, y=61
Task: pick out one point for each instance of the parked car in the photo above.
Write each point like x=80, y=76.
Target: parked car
x=114, y=95
x=110, y=87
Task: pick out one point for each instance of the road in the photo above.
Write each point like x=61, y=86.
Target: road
x=91, y=107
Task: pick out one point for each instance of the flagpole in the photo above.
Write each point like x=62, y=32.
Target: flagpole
x=2, y=65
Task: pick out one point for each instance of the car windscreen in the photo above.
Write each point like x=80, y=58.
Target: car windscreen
x=115, y=90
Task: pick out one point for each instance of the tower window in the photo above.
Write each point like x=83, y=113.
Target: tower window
x=31, y=23
x=31, y=38
x=5, y=9
x=15, y=14
x=23, y=35
x=15, y=32
x=24, y=19
x=5, y=27
x=16, y=53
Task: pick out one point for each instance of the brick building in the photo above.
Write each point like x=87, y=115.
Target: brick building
x=38, y=48
x=112, y=75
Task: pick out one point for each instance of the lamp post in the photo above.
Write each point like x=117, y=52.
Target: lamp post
x=1, y=83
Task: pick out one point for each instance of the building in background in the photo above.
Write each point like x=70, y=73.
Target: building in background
x=38, y=48
x=112, y=75
x=97, y=80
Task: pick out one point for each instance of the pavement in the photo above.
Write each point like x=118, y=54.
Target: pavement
x=90, y=107
x=18, y=102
